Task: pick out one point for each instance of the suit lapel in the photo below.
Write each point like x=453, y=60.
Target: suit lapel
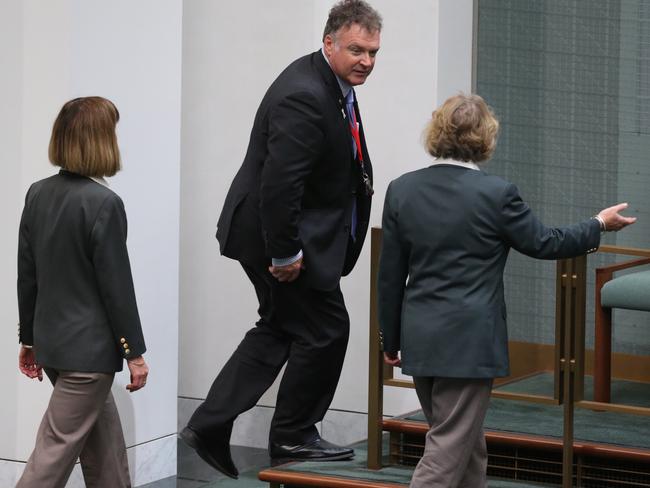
x=328, y=76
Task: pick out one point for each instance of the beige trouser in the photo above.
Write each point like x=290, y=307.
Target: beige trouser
x=455, y=455
x=81, y=421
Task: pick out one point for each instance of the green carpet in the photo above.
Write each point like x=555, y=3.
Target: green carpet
x=624, y=392
x=547, y=420
x=601, y=427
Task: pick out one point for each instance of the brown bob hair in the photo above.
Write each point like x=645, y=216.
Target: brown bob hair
x=83, y=137
x=463, y=128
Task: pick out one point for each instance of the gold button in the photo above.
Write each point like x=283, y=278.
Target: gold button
x=122, y=340
x=127, y=351
x=126, y=346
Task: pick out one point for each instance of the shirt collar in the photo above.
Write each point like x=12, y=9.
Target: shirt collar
x=100, y=180
x=344, y=85
x=453, y=162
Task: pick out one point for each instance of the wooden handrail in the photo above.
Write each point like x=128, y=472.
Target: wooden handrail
x=629, y=251
x=611, y=268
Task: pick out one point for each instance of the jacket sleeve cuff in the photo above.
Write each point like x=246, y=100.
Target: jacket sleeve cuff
x=286, y=261
x=603, y=227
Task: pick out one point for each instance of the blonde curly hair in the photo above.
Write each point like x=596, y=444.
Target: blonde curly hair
x=463, y=128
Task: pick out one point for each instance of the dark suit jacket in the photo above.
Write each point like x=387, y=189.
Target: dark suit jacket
x=296, y=185
x=448, y=230
x=75, y=293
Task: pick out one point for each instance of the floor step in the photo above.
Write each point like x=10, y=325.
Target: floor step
x=282, y=477
x=538, y=459
x=515, y=439
x=354, y=473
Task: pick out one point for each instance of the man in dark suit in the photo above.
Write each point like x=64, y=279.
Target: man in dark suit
x=295, y=218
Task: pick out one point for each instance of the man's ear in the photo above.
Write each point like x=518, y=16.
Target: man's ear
x=328, y=45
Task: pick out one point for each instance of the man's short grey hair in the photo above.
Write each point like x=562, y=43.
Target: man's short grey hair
x=348, y=12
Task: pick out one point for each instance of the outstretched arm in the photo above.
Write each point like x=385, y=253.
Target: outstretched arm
x=528, y=235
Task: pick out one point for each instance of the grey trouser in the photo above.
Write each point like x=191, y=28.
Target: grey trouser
x=81, y=421
x=455, y=455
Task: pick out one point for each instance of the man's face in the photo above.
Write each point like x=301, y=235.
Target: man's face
x=351, y=52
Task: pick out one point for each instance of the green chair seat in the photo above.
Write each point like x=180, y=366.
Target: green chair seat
x=630, y=291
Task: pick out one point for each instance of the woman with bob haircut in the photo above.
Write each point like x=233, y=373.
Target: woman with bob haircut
x=447, y=231
x=78, y=314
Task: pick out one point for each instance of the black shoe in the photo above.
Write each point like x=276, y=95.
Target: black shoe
x=316, y=450
x=215, y=453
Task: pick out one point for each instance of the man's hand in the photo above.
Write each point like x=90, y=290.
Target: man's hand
x=613, y=220
x=27, y=364
x=392, y=359
x=286, y=273
x=139, y=372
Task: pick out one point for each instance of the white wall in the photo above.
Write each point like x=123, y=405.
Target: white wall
x=129, y=52
x=231, y=53
x=10, y=202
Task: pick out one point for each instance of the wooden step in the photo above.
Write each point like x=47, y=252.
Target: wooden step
x=532, y=441
x=353, y=474
x=277, y=477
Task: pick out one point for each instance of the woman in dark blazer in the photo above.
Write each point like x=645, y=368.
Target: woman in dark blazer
x=447, y=231
x=78, y=315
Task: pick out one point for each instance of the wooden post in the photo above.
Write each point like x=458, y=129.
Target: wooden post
x=560, y=299
x=567, y=391
x=603, y=342
x=375, y=362
x=573, y=279
x=579, y=326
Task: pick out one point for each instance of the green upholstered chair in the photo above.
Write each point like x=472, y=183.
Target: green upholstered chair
x=630, y=291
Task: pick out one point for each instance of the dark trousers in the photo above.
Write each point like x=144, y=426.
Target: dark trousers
x=305, y=328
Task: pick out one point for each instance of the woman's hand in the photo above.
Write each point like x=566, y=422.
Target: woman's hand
x=392, y=359
x=139, y=372
x=27, y=364
x=613, y=220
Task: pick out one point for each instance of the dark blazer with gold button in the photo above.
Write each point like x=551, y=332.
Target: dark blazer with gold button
x=76, y=299
x=447, y=231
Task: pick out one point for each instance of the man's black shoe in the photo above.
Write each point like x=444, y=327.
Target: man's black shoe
x=317, y=450
x=216, y=453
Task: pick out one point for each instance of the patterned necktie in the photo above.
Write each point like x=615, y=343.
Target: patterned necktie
x=352, y=118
